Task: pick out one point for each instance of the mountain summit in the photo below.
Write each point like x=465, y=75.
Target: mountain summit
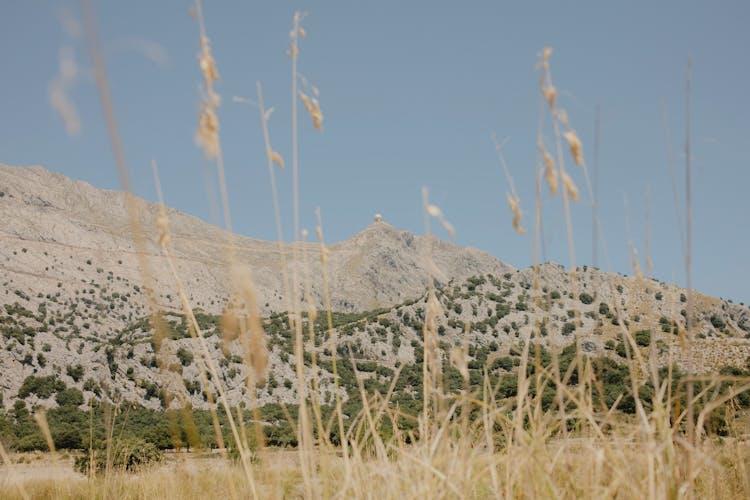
x=58, y=232
x=73, y=312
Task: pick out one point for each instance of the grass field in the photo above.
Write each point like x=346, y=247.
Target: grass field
x=569, y=468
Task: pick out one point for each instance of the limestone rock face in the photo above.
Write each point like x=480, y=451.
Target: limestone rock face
x=64, y=224
x=73, y=301
x=73, y=280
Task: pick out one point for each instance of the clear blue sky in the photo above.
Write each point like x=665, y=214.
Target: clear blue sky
x=411, y=92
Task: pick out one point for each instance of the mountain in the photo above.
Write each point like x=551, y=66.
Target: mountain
x=58, y=230
x=73, y=312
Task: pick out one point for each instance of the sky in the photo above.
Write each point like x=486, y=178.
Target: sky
x=411, y=93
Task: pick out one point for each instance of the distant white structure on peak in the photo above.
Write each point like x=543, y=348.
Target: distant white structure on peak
x=377, y=218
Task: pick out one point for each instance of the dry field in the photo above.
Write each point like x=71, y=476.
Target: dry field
x=571, y=468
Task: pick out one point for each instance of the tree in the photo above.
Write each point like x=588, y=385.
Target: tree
x=129, y=455
x=69, y=397
x=67, y=436
x=32, y=442
x=43, y=387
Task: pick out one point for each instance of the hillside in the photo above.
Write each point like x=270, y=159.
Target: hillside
x=73, y=309
x=58, y=230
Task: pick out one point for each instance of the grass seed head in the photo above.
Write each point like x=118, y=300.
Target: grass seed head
x=257, y=350
x=295, y=34
x=550, y=174
x=433, y=308
x=460, y=361
x=313, y=108
x=550, y=95
x=570, y=186
x=434, y=210
x=207, y=63
x=515, y=206
x=576, y=150
x=57, y=92
x=207, y=135
x=637, y=265
x=162, y=226
x=546, y=53
x=562, y=115
x=449, y=228
x=230, y=328
x=277, y=159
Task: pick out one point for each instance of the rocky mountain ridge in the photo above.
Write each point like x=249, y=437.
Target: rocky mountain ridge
x=60, y=230
x=73, y=311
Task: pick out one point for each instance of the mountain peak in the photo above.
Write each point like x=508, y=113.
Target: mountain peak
x=73, y=230
x=72, y=275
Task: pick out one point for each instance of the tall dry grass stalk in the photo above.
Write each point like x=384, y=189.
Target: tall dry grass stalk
x=208, y=137
x=132, y=208
x=514, y=202
x=254, y=347
x=689, y=271
x=595, y=194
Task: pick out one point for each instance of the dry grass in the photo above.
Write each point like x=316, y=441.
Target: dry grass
x=560, y=468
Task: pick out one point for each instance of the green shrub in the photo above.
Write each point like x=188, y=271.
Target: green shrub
x=666, y=327
x=185, y=356
x=586, y=298
x=502, y=310
x=67, y=436
x=643, y=338
x=31, y=442
x=74, y=372
x=43, y=387
x=717, y=322
x=131, y=455
x=69, y=397
x=92, y=385
x=620, y=349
